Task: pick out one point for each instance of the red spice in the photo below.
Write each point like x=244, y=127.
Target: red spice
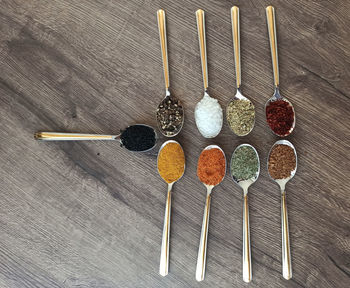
x=280, y=117
x=211, y=166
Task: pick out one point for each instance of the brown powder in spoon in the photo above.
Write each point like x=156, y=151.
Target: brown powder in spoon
x=282, y=161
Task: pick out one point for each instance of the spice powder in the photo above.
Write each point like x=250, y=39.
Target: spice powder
x=282, y=161
x=171, y=162
x=211, y=166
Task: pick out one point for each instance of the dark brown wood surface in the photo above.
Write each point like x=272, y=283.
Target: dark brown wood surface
x=90, y=214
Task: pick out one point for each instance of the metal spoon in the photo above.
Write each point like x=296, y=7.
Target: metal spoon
x=244, y=184
x=163, y=103
x=203, y=51
x=286, y=255
x=164, y=255
x=59, y=136
x=202, y=251
x=237, y=58
x=271, y=25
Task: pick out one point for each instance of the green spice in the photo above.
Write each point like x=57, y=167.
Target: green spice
x=240, y=116
x=244, y=163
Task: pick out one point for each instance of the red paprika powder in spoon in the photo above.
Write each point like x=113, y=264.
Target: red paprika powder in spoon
x=280, y=117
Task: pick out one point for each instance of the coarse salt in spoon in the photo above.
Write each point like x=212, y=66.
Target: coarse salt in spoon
x=208, y=112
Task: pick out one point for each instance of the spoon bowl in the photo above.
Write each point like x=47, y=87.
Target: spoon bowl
x=202, y=250
x=164, y=255
x=170, y=109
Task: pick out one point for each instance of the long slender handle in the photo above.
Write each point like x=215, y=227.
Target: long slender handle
x=202, y=251
x=271, y=26
x=164, y=254
x=58, y=136
x=202, y=45
x=163, y=45
x=247, y=261
x=286, y=256
x=236, y=43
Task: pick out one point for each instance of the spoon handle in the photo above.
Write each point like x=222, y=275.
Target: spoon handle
x=247, y=262
x=286, y=256
x=236, y=43
x=202, y=251
x=271, y=26
x=202, y=45
x=164, y=254
x=58, y=136
x=163, y=45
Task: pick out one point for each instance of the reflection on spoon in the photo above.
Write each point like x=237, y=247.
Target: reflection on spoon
x=170, y=113
x=282, y=166
x=245, y=169
x=211, y=171
x=240, y=111
x=279, y=111
x=171, y=167
x=139, y=137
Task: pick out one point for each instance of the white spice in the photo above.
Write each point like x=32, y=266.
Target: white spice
x=208, y=116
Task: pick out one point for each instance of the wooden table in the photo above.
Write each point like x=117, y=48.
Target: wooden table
x=90, y=214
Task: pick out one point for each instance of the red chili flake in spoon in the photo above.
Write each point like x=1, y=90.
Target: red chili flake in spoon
x=280, y=117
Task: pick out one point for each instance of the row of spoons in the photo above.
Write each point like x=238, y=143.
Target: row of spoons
x=244, y=184
x=203, y=121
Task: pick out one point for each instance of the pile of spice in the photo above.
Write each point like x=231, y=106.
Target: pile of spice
x=138, y=138
x=282, y=161
x=170, y=116
x=244, y=163
x=240, y=115
x=280, y=117
x=171, y=162
x=211, y=166
x=208, y=116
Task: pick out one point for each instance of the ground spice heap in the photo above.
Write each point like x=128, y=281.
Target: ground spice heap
x=170, y=116
x=280, y=117
x=282, y=161
x=171, y=162
x=240, y=115
x=138, y=138
x=208, y=116
x=244, y=163
x=211, y=166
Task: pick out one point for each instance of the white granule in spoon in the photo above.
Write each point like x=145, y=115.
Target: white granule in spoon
x=208, y=116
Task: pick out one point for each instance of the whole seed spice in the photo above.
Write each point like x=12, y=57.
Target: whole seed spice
x=280, y=117
x=171, y=162
x=170, y=116
x=138, y=138
x=244, y=163
x=211, y=166
x=240, y=115
x=281, y=162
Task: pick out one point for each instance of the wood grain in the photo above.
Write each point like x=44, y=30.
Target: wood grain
x=90, y=214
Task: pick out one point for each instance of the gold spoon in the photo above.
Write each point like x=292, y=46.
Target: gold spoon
x=286, y=255
x=237, y=57
x=163, y=45
x=271, y=25
x=202, y=250
x=164, y=255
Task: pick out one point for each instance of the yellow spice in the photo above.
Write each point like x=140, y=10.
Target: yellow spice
x=171, y=162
